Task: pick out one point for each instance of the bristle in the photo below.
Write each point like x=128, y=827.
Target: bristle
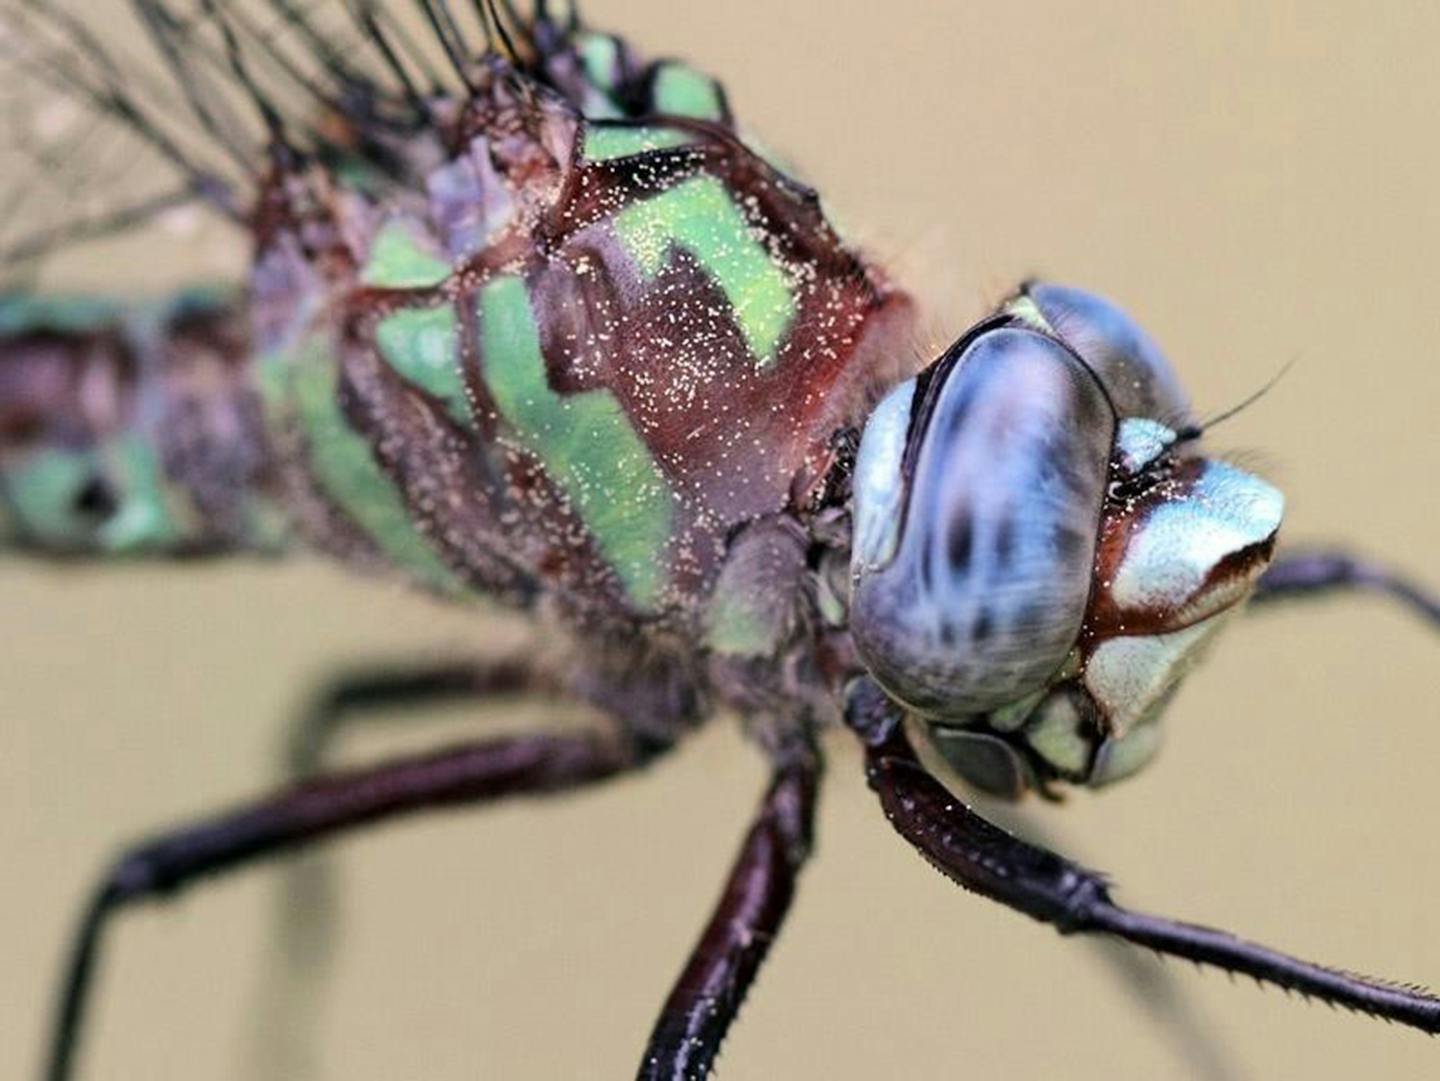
x=412, y=48
x=490, y=17
x=377, y=36
x=94, y=76
x=111, y=222
x=207, y=106
x=447, y=33
x=189, y=113
x=236, y=60
x=267, y=46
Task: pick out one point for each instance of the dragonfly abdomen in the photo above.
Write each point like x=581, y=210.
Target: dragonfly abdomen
x=132, y=429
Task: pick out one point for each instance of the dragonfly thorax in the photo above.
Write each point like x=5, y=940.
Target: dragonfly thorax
x=1040, y=550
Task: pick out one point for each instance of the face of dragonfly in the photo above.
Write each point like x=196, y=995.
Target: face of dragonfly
x=1041, y=549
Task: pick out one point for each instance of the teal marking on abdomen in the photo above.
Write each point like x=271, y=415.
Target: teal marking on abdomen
x=341, y=460
x=44, y=493
x=699, y=216
x=423, y=346
x=586, y=441
x=144, y=518
x=28, y=313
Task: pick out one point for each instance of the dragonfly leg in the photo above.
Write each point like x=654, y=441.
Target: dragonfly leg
x=723, y=964
x=362, y=694
x=1155, y=989
x=1321, y=572
x=306, y=918
x=985, y=859
x=323, y=807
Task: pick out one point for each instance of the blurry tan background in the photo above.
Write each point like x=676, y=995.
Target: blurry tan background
x=1257, y=182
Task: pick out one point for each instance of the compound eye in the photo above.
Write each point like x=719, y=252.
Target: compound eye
x=976, y=546
x=1139, y=379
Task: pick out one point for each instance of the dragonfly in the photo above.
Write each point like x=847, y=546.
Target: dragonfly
x=826, y=542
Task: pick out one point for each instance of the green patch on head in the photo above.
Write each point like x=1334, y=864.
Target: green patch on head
x=680, y=90
x=422, y=345
x=586, y=442
x=605, y=142
x=699, y=216
x=341, y=460
x=398, y=261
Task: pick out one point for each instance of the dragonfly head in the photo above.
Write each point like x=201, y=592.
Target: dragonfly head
x=1041, y=549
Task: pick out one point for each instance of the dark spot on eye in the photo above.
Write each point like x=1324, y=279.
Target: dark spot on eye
x=984, y=626
x=96, y=499
x=955, y=417
x=1068, y=543
x=1005, y=541
x=1090, y=408
x=959, y=542
x=1075, y=477
x=1030, y=616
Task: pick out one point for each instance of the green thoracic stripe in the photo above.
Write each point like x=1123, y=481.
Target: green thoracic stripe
x=341, y=460
x=585, y=441
x=680, y=90
x=421, y=344
x=603, y=142
x=699, y=216
x=397, y=261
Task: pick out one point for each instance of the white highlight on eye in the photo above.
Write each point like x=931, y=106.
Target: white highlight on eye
x=1181, y=542
x=877, y=485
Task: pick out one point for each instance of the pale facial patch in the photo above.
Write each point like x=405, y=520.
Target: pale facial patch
x=1171, y=557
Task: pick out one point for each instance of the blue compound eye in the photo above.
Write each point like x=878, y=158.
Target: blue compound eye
x=1135, y=372
x=976, y=528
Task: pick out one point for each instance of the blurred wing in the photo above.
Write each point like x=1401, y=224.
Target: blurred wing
x=114, y=113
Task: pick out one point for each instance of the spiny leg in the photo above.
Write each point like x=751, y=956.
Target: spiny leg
x=322, y=808
x=1319, y=573
x=984, y=858
x=1153, y=987
x=707, y=996
x=362, y=697
x=307, y=901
